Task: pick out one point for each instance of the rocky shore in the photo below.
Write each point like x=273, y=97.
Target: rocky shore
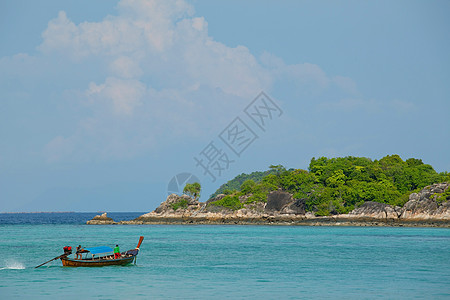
x=428, y=208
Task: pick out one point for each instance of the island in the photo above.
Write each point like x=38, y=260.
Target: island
x=349, y=191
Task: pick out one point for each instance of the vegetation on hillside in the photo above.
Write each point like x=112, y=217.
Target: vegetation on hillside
x=182, y=203
x=235, y=183
x=336, y=185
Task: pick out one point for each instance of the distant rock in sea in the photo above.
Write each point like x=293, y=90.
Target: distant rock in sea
x=102, y=219
x=425, y=208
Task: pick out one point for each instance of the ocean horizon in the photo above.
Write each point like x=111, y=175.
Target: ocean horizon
x=60, y=217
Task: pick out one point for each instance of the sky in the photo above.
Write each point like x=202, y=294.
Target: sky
x=108, y=105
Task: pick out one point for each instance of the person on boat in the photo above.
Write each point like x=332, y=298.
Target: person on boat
x=79, y=252
x=116, y=252
x=67, y=250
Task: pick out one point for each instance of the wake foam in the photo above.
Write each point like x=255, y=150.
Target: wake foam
x=13, y=265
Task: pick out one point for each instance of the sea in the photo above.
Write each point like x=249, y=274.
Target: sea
x=223, y=262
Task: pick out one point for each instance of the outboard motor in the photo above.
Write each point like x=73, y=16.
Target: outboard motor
x=67, y=250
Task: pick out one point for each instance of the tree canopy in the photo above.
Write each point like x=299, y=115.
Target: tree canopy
x=234, y=184
x=192, y=190
x=337, y=185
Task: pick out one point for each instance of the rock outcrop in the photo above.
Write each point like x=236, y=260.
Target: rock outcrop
x=283, y=203
x=425, y=208
x=376, y=210
x=424, y=205
x=102, y=219
x=177, y=205
x=421, y=206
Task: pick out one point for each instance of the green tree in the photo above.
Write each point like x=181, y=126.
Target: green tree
x=336, y=180
x=278, y=169
x=248, y=186
x=192, y=190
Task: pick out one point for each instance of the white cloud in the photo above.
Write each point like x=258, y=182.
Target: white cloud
x=113, y=36
x=154, y=34
x=59, y=34
x=125, y=67
x=123, y=95
x=160, y=64
x=305, y=74
x=140, y=27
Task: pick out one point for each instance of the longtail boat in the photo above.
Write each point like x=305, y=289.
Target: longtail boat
x=102, y=256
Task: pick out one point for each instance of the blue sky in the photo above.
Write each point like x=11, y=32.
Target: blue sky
x=104, y=102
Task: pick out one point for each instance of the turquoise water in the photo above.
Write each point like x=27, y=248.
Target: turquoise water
x=228, y=262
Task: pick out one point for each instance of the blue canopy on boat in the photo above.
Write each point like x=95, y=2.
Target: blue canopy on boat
x=101, y=249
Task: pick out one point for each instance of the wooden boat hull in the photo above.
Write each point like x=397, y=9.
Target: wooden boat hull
x=69, y=262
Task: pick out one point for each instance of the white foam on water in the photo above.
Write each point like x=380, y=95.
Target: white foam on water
x=13, y=265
